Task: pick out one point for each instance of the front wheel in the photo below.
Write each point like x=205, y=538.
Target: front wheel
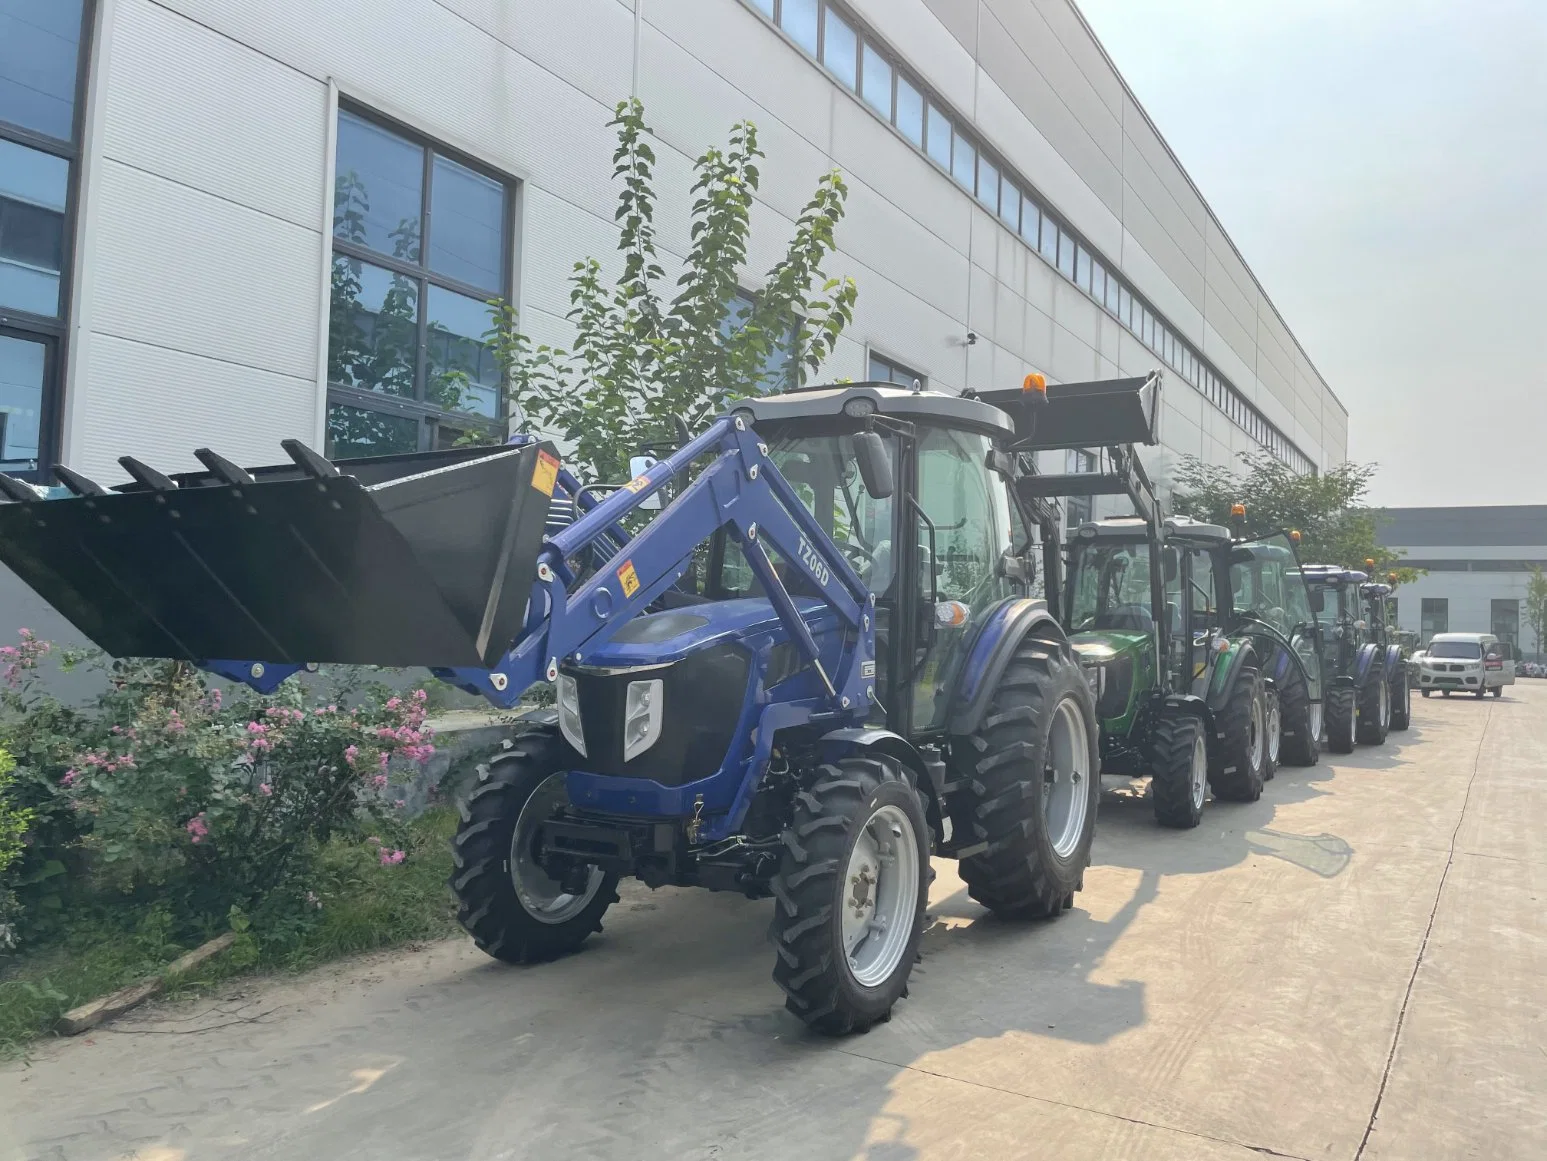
x=1179, y=770
x=1274, y=726
x=1236, y=763
x=850, y=894
x=1425, y=692
x=506, y=900
x=1342, y=719
x=1032, y=773
x=1498, y=691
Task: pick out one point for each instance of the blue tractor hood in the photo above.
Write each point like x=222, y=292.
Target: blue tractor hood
x=665, y=637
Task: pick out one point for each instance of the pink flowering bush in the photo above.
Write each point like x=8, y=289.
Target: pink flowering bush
x=168, y=789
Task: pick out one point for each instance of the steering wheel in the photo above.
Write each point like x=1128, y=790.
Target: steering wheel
x=864, y=554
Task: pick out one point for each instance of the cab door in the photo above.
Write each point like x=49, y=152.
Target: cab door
x=1271, y=581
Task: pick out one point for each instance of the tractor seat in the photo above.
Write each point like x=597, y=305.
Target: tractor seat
x=1134, y=618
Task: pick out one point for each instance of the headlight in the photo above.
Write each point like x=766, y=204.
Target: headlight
x=569, y=713
x=641, y=717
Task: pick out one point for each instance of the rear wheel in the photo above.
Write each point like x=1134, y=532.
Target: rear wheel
x=1425, y=692
x=1374, y=709
x=1341, y=719
x=1179, y=770
x=1236, y=763
x=850, y=895
x=505, y=899
x=1401, y=700
x=1498, y=691
x=1032, y=787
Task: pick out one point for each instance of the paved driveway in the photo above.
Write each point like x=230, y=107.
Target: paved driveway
x=1354, y=967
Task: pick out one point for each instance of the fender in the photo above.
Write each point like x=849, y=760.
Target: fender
x=988, y=654
x=1193, y=704
x=1394, y=662
x=856, y=739
x=1364, y=663
x=1227, y=674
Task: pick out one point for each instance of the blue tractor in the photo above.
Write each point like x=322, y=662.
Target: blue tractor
x=1366, y=675
x=814, y=668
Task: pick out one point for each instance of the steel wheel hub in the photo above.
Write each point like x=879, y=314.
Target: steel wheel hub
x=880, y=895
x=1275, y=730
x=1200, y=771
x=1256, y=734
x=541, y=896
x=1065, y=779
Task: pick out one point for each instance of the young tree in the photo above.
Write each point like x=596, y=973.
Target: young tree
x=641, y=362
x=1536, y=607
x=1335, y=526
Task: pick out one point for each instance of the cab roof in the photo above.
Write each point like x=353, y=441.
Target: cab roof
x=1132, y=528
x=1332, y=574
x=857, y=400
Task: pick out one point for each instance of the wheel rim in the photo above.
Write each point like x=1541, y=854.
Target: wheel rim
x=1256, y=734
x=541, y=896
x=880, y=895
x=1316, y=722
x=1385, y=705
x=1199, y=770
x=1065, y=779
x=1275, y=731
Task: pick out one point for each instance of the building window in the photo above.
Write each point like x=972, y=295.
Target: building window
x=44, y=46
x=1434, y=614
x=1078, y=509
x=883, y=370
x=1504, y=622
x=781, y=366
x=421, y=244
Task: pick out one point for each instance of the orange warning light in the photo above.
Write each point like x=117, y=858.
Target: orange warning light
x=1035, y=382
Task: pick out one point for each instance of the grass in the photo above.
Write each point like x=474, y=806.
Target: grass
x=364, y=907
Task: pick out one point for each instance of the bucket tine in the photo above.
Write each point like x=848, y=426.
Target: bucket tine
x=143, y=473
x=316, y=466
x=16, y=491
x=223, y=469
x=77, y=483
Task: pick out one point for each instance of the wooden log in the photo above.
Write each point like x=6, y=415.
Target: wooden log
x=78, y=1020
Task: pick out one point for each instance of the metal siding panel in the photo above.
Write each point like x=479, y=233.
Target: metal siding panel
x=1170, y=259
x=1033, y=94
x=1028, y=28
x=1066, y=25
x=592, y=62
x=195, y=107
x=1074, y=360
x=1143, y=146
x=903, y=250
x=1076, y=313
x=1039, y=338
x=187, y=270
x=158, y=405
x=1152, y=281
x=960, y=19
x=1185, y=233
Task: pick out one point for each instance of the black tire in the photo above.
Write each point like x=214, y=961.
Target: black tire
x=1425, y=692
x=1300, y=744
x=483, y=882
x=1273, y=738
x=1374, y=709
x=1342, y=720
x=1019, y=873
x=1236, y=760
x=1177, y=787
x=1498, y=691
x=1401, y=700
x=812, y=889
x=1482, y=689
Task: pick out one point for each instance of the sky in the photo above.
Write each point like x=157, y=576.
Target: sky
x=1382, y=167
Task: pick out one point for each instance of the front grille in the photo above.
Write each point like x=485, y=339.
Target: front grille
x=701, y=696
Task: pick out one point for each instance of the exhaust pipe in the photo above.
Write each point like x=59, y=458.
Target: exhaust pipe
x=420, y=559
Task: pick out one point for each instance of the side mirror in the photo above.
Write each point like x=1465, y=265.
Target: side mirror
x=875, y=466
x=1318, y=599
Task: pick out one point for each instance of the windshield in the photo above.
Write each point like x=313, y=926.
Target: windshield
x=823, y=471
x=1109, y=587
x=1470, y=650
x=1266, y=583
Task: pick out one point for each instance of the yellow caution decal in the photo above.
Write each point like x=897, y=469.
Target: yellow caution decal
x=638, y=484
x=628, y=578
x=546, y=475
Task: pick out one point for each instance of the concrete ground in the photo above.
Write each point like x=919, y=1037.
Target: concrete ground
x=1352, y=968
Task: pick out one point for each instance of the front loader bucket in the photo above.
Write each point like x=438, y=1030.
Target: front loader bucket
x=422, y=559
x=1084, y=415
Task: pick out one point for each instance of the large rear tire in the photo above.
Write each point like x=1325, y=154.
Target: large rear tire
x=1179, y=770
x=1236, y=762
x=1033, y=784
x=1374, y=709
x=1301, y=731
x=505, y=900
x=850, y=895
x=1401, y=700
x=1342, y=721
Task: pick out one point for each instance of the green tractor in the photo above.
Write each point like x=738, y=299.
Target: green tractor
x=1189, y=681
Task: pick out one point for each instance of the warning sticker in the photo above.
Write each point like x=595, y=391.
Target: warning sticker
x=628, y=578
x=546, y=473
x=638, y=484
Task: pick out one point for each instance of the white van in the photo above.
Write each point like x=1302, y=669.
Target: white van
x=1475, y=663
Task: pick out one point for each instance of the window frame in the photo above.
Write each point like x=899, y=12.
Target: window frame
x=873, y=356
x=430, y=416
x=52, y=332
